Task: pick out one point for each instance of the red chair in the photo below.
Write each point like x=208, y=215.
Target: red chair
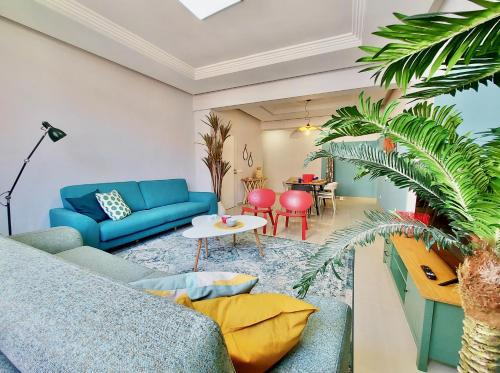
x=296, y=204
x=262, y=201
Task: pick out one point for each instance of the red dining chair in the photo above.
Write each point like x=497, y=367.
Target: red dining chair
x=262, y=201
x=296, y=204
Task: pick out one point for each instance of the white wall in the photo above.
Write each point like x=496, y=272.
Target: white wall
x=284, y=155
x=245, y=130
x=121, y=125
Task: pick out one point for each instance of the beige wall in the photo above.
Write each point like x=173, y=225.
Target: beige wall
x=284, y=153
x=121, y=125
x=245, y=130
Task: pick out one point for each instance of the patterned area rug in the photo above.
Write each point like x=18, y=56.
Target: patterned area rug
x=280, y=268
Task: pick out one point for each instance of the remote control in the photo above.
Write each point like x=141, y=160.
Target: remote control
x=429, y=273
x=449, y=282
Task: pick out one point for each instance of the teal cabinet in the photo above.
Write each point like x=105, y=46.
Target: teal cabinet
x=436, y=327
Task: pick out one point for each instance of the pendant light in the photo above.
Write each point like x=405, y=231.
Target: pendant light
x=308, y=128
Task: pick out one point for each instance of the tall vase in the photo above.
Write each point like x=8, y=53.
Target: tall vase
x=220, y=209
x=480, y=293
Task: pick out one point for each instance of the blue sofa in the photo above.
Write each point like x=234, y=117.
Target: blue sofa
x=157, y=205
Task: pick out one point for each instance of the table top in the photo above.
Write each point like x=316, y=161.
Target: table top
x=414, y=254
x=295, y=181
x=254, y=178
x=204, y=226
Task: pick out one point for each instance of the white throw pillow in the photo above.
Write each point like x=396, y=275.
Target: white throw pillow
x=113, y=205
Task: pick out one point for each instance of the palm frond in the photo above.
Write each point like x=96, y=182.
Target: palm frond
x=479, y=71
x=364, y=119
x=444, y=116
x=403, y=171
x=456, y=165
x=434, y=41
x=380, y=223
x=485, y=209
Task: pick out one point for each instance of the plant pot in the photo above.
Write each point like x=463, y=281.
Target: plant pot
x=221, y=210
x=480, y=293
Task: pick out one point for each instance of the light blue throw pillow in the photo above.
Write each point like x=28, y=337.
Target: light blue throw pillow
x=199, y=285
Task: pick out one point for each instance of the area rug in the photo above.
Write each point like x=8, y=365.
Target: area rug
x=281, y=267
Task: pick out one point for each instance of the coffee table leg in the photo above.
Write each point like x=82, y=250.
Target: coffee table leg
x=206, y=247
x=197, y=255
x=257, y=240
x=234, y=240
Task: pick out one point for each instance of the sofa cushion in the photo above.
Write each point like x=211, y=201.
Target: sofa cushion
x=183, y=210
x=88, y=205
x=138, y=221
x=105, y=264
x=113, y=205
x=158, y=193
x=142, y=220
x=129, y=190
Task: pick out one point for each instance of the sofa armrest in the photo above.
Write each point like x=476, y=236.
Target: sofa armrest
x=53, y=240
x=205, y=197
x=325, y=342
x=88, y=227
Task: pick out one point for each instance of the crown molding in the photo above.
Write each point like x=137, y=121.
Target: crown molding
x=290, y=53
x=104, y=26
x=72, y=9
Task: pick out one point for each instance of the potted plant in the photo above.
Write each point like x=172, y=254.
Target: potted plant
x=214, y=143
x=459, y=179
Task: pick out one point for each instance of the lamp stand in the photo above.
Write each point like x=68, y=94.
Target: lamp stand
x=8, y=194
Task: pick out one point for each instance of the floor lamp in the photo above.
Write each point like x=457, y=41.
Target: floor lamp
x=55, y=134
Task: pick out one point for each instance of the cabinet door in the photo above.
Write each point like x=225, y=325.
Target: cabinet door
x=399, y=272
x=414, y=307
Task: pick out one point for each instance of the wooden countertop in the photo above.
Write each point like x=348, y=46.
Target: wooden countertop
x=414, y=254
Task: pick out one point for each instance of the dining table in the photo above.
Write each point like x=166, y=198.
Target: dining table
x=315, y=185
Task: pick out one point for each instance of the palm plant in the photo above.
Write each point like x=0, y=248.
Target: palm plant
x=459, y=179
x=214, y=142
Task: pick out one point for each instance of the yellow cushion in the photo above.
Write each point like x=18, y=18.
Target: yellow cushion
x=259, y=329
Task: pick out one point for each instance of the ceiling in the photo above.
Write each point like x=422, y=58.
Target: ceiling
x=251, y=42
x=319, y=106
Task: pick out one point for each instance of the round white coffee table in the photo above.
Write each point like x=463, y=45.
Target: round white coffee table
x=204, y=227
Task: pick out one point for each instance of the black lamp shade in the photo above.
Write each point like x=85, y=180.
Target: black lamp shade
x=55, y=134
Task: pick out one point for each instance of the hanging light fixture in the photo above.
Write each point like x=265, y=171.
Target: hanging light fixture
x=308, y=128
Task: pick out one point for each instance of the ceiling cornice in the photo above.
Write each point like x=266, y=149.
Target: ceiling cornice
x=93, y=20
x=74, y=10
x=290, y=53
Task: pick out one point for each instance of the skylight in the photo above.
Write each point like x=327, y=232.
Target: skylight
x=205, y=8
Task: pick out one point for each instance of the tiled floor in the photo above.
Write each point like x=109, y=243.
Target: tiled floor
x=382, y=338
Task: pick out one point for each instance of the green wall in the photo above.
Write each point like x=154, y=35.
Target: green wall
x=344, y=175
x=389, y=196
x=479, y=109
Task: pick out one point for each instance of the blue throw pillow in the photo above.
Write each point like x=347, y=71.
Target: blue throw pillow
x=198, y=285
x=88, y=205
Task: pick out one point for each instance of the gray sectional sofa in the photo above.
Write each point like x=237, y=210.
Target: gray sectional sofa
x=65, y=307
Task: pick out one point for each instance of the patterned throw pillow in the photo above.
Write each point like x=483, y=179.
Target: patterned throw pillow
x=113, y=205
